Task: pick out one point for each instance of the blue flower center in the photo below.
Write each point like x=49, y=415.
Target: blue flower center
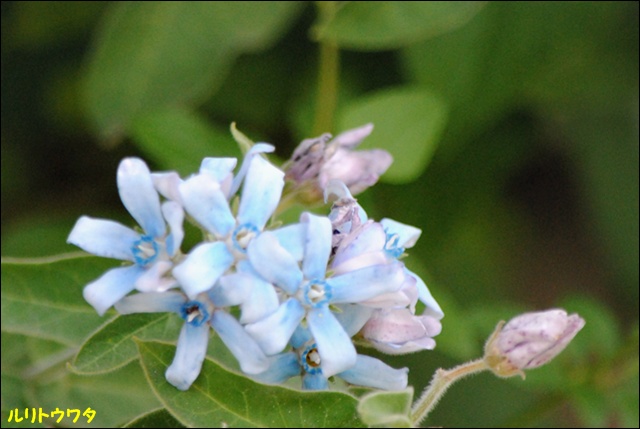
x=391, y=246
x=317, y=293
x=194, y=313
x=145, y=250
x=243, y=235
x=310, y=360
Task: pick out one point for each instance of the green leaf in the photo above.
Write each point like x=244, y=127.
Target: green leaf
x=387, y=409
x=155, y=419
x=222, y=398
x=408, y=123
x=154, y=54
x=43, y=297
x=178, y=139
x=393, y=24
x=112, y=346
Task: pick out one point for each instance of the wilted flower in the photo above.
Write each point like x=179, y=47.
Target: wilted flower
x=318, y=160
x=530, y=340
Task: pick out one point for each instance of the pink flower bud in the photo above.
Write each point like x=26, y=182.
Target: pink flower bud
x=530, y=340
x=399, y=331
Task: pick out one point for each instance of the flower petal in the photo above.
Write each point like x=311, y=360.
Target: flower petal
x=315, y=382
x=352, y=138
x=408, y=235
x=139, y=196
x=154, y=280
x=353, y=317
x=152, y=302
x=203, y=267
x=257, y=298
x=256, y=149
x=167, y=184
x=273, y=332
x=206, y=203
x=291, y=237
x=261, y=193
x=111, y=287
x=174, y=216
x=372, y=372
x=433, y=309
x=190, y=353
x=366, y=283
x=361, y=248
x=218, y=168
x=317, y=247
x=274, y=263
x=337, y=352
x=249, y=355
x=282, y=367
x=104, y=238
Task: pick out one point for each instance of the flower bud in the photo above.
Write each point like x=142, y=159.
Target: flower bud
x=529, y=341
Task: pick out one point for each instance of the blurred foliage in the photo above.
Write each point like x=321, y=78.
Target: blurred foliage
x=515, y=132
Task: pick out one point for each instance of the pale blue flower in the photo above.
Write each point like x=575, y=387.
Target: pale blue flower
x=199, y=315
x=206, y=198
x=308, y=292
x=150, y=251
x=305, y=360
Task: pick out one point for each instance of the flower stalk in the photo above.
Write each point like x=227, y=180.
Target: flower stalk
x=328, y=73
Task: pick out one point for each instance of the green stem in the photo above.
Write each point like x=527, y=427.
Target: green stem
x=440, y=382
x=329, y=72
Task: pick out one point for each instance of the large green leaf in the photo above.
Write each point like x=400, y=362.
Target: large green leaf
x=178, y=139
x=224, y=398
x=43, y=297
x=112, y=346
x=408, y=122
x=152, y=54
x=393, y=24
x=155, y=419
x=387, y=409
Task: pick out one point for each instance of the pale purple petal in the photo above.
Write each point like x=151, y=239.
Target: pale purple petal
x=154, y=280
x=307, y=159
x=255, y=150
x=365, y=243
x=407, y=234
x=366, y=283
x=167, y=184
x=273, y=332
x=274, y=263
x=152, y=302
x=337, y=352
x=358, y=170
x=203, y=267
x=249, y=355
x=282, y=367
x=139, y=196
x=291, y=237
x=190, y=353
x=261, y=193
x=424, y=343
x=433, y=309
x=174, y=215
x=111, y=287
x=352, y=138
x=317, y=247
x=372, y=372
x=104, y=238
x=399, y=326
x=207, y=204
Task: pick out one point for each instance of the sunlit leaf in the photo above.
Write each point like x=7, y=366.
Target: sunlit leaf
x=43, y=297
x=152, y=54
x=223, y=398
x=393, y=24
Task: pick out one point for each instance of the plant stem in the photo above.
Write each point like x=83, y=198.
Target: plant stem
x=329, y=71
x=440, y=382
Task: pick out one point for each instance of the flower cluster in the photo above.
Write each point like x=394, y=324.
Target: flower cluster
x=286, y=300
